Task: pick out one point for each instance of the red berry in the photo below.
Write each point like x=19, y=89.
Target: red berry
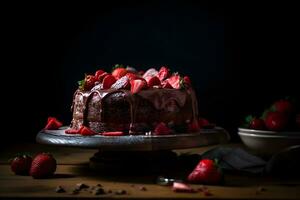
x=182, y=187
x=43, y=166
x=150, y=73
x=89, y=82
x=203, y=122
x=162, y=129
x=72, y=131
x=193, y=126
x=284, y=106
x=52, y=124
x=21, y=165
x=276, y=121
x=115, y=133
x=137, y=85
x=166, y=84
x=99, y=73
x=163, y=73
x=152, y=81
x=258, y=124
x=174, y=81
x=131, y=76
x=206, y=172
x=86, y=131
x=119, y=72
x=102, y=76
x=108, y=81
x=187, y=80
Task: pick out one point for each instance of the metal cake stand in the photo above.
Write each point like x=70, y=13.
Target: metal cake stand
x=116, y=150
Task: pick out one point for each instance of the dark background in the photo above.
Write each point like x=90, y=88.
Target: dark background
x=240, y=57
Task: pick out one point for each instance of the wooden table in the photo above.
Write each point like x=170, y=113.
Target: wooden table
x=73, y=168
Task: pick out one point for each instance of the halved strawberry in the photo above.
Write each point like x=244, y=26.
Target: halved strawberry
x=182, y=187
x=119, y=72
x=99, y=73
x=137, y=85
x=175, y=81
x=152, y=81
x=132, y=76
x=121, y=83
x=108, y=81
x=193, y=126
x=166, y=84
x=72, y=131
x=163, y=73
x=102, y=76
x=86, y=131
x=162, y=129
x=89, y=82
x=52, y=124
x=113, y=133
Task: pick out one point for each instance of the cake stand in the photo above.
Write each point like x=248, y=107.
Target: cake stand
x=147, y=149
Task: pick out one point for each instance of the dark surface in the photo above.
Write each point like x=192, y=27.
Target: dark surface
x=240, y=56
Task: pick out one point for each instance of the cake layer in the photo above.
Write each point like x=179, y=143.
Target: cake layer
x=120, y=110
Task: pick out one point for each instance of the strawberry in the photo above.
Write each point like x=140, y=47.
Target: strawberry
x=152, y=81
x=276, y=121
x=108, y=81
x=193, y=126
x=86, y=131
x=174, y=81
x=283, y=106
x=187, y=80
x=162, y=129
x=258, y=124
x=131, y=76
x=121, y=83
x=119, y=72
x=72, y=131
x=21, y=164
x=137, y=85
x=150, y=72
x=52, y=124
x=43, y=166
x=206, y=172
x=102, y=76
x=182, y=187
x=115, y=133
x=203, y=122
x=166, y=84
x=99, y=73
x=89, y=82
x=163, y=73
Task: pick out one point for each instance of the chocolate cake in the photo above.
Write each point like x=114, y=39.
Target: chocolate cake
x=133, y=102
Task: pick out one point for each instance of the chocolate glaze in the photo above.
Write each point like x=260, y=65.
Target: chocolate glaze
x=168, y=105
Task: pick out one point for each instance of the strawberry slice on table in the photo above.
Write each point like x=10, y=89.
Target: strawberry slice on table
x=108, y=81
x=206, y=172
x=182, y=187
x=137, y=85
x=152, y=81
x=163, y=73
x=53, y=124
x=119, y=72
x=162, y=129
x=72, y=131
x=113, y=133
x=86, y=131
x=43, y=166
x=175, y=81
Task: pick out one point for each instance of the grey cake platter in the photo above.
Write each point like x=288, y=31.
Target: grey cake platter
x=204, y=137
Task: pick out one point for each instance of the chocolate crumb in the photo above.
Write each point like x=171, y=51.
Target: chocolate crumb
x=59, y=189
x=80, y=186
x=120, y=192
x=142, y=188
x=98, y=191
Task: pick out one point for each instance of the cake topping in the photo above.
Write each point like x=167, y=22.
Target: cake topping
x=153, y=78
x=53, y=124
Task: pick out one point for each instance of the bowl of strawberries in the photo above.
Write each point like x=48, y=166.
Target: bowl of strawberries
x=276, y=129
